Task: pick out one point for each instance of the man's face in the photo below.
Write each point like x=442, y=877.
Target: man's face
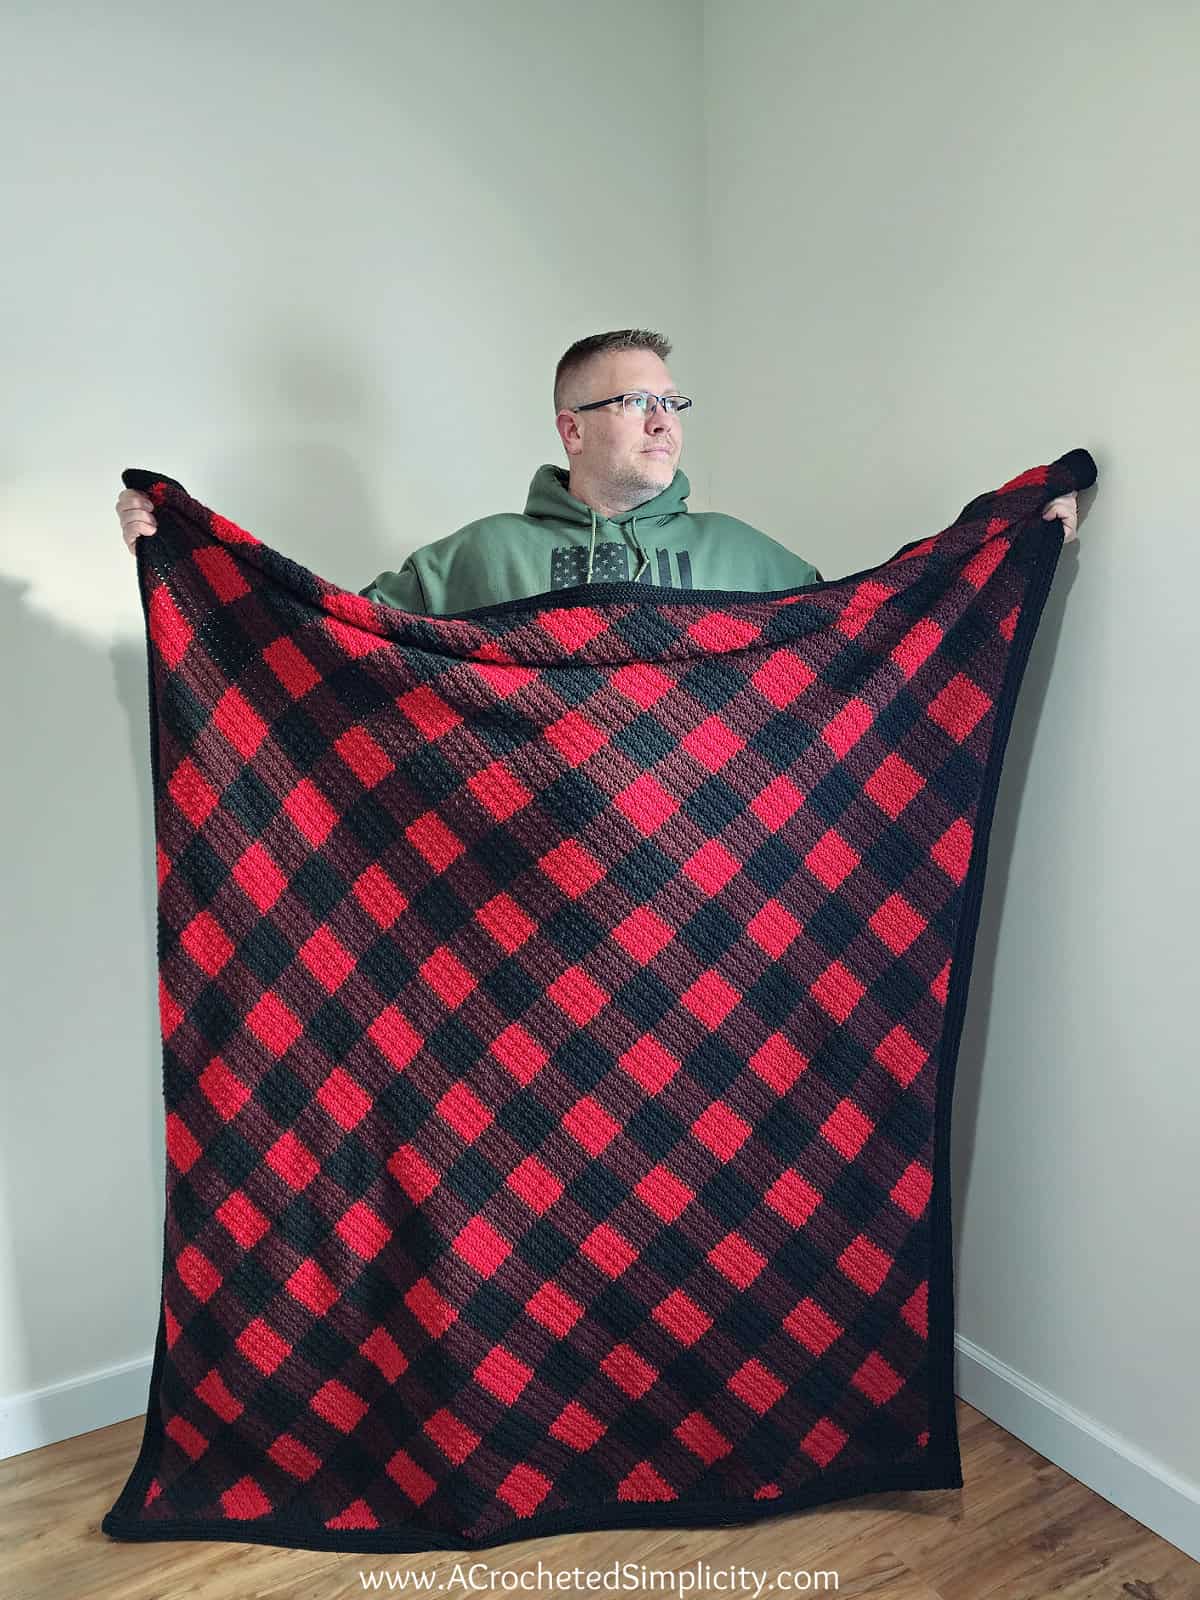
x=624, y=452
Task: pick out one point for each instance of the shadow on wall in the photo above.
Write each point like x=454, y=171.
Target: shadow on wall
x=1005, y=823
x=81, y=1138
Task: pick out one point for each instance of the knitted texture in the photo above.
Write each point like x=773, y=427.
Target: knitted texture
x=560, y=1004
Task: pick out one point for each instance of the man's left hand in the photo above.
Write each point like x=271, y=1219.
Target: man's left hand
x=1066, y=507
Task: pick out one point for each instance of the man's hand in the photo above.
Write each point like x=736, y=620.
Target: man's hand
x=1066, y=507
x=136, y=511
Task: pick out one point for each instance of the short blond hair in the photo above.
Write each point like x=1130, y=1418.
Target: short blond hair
x=573, y=363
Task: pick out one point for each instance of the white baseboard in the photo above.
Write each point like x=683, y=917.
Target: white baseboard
x=65, y=1410
x=1114, y=1467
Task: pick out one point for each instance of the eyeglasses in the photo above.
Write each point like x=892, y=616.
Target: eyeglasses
x=634, y=404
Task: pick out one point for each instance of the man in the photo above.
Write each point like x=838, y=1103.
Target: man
x=618, y=514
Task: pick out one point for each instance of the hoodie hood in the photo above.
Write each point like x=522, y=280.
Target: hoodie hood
x=549, y=500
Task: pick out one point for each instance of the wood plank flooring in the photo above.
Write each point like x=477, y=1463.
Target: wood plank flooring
x=1019, y=1529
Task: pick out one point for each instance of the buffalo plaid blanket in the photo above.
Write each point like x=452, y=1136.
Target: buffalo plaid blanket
x=560, y=1004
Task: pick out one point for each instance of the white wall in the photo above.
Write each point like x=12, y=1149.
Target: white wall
x=948, y=243
x=319, y=267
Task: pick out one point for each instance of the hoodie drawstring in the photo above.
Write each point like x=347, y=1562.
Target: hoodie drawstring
x=641, y=550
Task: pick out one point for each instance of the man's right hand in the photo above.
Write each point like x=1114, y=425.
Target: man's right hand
x=136, y=511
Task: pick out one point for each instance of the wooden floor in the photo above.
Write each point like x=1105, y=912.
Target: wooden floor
x=1020, y=1528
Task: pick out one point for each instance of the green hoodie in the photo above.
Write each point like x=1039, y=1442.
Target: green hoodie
x=559, y=542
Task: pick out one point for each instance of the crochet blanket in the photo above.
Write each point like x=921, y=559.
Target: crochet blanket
x=560, y=1004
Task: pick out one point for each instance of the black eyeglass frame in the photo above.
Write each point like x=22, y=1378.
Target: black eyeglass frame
x=682, y=402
